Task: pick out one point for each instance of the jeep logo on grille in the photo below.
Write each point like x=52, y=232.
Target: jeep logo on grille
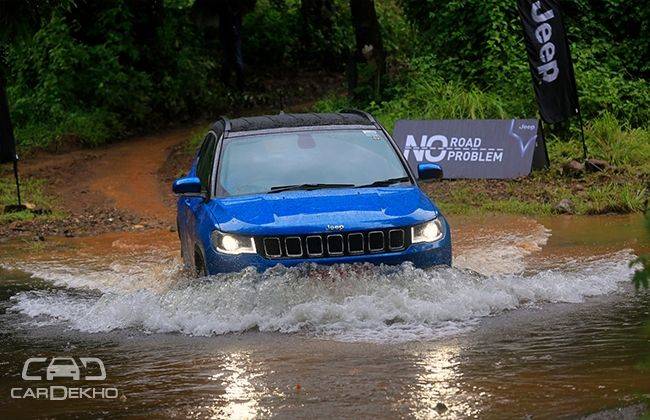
x=335, y=227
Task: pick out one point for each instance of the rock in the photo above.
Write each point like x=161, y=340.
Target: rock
x=39, y=238
x=573, y=168
x=597, y=165
x=172, y=228
x=68, y=234
x=440, y=408
x=138, y=227
x=564, y=207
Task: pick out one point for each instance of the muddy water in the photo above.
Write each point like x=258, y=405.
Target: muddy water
x=536, y=318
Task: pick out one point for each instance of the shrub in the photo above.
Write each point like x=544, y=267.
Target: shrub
x=94, y=83
x=480, y=43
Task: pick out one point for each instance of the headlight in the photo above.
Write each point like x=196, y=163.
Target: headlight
x=233, y=244
x=427, y=232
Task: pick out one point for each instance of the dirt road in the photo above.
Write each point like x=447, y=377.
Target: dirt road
x=127, y=175
x=118, y=187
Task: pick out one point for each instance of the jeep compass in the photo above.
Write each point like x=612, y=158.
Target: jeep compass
x=306, y=188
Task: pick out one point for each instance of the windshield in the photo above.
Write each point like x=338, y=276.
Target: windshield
x=62, y=361
x=308, y=160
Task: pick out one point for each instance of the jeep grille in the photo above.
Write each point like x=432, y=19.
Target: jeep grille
x=334, y=244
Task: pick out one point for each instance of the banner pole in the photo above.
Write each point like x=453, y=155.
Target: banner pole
x=582, y=135
x=17, y=180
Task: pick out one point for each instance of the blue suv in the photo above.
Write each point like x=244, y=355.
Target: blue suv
x=306, y=188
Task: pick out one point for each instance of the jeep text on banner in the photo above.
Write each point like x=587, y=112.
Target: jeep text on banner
x=470, y=148
x=550, y=59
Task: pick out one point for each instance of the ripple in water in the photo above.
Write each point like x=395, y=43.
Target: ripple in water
x=350, y=303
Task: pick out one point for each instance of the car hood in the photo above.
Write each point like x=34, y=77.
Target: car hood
x=304, y=212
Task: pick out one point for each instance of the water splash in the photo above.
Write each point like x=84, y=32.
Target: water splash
x=493, y=248
x=350, y=303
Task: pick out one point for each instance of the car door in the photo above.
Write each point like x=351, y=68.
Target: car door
x=194, y=207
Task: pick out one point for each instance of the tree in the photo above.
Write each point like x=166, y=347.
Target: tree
x=369, y=48
x=317, y=30
x=147, y=19
x=230, y=14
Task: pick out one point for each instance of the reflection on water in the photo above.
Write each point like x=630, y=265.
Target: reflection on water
x=240, y=399
x=547, y=327
x=439, y=381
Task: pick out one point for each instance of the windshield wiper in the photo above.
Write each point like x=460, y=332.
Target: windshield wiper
x=385, y=182
x=307, y=187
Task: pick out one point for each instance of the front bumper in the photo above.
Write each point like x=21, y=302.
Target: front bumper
x=422, y=255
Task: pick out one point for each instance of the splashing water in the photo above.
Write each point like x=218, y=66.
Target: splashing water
x=350, y=303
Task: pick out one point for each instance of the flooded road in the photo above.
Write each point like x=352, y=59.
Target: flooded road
x=538, y=317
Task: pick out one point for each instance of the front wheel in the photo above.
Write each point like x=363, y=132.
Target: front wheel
x=200, y=270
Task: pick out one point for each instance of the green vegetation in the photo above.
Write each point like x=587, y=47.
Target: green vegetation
x=539, y=195
x=196, y=139
x=92, y=71
x=471, y=64
x=34, y=192
x=70, y=81
x=89, y=72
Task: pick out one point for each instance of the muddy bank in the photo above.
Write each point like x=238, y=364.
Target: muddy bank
x=112, y=188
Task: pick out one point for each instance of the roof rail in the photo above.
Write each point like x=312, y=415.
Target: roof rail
x=362, y=113
x=226, y=126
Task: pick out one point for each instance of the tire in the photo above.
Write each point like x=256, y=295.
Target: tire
x=200, y=270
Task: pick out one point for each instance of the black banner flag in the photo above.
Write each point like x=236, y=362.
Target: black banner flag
x=7, y=141
x=550, y=59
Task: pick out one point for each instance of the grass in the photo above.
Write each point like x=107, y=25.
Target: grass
x=34, y=192
x=609, y=139
x=85, y=128
x=196, y=139
x=540, y=193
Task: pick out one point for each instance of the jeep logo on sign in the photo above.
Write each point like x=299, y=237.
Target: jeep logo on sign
x=543, y=33
x=335, y=227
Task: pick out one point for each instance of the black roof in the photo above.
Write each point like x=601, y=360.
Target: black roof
x=265, y=122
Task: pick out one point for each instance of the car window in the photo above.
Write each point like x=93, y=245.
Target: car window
x=257, y=163
x=58, y=361
x=206, y=159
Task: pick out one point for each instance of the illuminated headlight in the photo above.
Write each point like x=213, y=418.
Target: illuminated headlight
x=233, y=244
x=427, y=232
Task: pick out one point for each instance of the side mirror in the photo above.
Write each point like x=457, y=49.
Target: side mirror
x=190, y=185
x=429, y=171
